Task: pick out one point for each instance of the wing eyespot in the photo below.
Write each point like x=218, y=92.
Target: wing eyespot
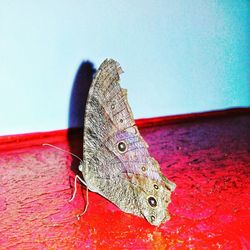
x=113, y=105
x=122, y=147
x=152, y=201
x=156, y=186
x=143, y=168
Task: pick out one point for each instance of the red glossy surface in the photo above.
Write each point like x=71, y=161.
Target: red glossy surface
x=209, y=161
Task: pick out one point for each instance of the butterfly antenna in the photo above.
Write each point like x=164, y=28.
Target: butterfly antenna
x=50, y=145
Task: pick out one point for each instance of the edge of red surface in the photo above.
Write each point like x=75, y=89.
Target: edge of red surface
x=162, y=120
x=10, y=142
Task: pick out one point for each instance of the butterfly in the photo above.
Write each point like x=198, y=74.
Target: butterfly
x=116, y=162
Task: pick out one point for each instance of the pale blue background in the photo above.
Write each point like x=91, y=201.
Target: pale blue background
x=178, y=56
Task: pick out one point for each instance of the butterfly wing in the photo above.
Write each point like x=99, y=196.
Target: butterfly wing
x=117, y=163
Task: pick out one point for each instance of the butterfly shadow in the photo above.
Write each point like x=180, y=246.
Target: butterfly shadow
x=78, y=98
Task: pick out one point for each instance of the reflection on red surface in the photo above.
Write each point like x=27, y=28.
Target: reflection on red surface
x=209, y=161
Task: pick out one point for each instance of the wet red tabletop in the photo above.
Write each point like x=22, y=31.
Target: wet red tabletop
x=208, y=159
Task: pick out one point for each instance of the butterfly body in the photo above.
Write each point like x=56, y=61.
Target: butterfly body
x=116, y=162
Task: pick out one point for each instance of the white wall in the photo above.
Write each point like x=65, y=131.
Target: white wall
x=178, y=56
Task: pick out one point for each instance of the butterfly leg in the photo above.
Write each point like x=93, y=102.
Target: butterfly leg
x=77, y=177
x=86, y=206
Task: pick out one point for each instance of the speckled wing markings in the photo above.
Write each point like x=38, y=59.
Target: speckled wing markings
x=117, y=163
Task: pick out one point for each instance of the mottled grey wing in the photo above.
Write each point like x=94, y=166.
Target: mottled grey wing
x=116, y=160
x=108, y=121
